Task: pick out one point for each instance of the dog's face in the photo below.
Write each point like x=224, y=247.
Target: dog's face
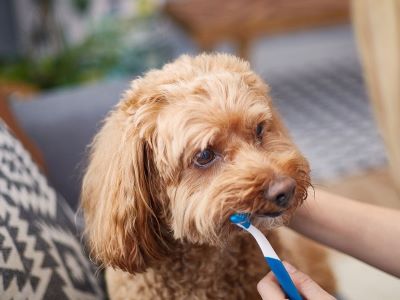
x=188, y=146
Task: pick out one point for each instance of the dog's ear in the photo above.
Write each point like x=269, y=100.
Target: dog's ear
x=118, y=192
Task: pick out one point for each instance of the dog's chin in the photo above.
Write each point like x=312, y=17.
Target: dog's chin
x=263, y=221
x=224, y=230
x=271, y=220
x=267, y=222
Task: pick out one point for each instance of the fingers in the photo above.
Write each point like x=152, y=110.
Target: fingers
x=269, y=288
x=306, y=286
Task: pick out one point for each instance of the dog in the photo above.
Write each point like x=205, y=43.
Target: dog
x=186, y=147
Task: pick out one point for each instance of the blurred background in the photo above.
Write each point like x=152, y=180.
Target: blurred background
x=333, y=67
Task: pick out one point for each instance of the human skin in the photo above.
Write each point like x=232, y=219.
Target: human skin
x=269, y=288
x=367, y=232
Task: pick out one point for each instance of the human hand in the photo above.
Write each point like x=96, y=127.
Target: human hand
x=269, y=288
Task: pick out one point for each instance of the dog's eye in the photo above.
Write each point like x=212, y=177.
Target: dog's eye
x=260, y=130
x=204, y=158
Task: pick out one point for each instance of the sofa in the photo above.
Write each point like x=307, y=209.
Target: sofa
x=41, y=254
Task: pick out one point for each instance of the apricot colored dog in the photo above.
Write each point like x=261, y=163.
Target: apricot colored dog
x=188, y=146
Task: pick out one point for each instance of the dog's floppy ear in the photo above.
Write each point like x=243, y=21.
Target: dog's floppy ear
x=118, y=201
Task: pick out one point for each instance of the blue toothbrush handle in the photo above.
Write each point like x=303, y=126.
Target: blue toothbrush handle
x=275, y=264
x=283, y=278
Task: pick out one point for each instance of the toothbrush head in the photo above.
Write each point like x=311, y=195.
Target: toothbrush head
x=240, y=219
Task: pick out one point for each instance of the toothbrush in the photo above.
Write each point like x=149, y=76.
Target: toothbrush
x=275, y=264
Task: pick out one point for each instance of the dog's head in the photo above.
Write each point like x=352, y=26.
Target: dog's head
x=188, y=146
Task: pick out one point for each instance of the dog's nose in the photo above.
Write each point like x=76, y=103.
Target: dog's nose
x=280, y=190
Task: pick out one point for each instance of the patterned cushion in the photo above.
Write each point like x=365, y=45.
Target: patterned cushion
x=40, y=252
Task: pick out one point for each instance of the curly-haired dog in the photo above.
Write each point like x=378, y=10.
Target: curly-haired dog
x=189, y=145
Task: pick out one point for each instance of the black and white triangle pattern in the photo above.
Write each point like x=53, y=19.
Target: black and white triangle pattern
x=40, y=253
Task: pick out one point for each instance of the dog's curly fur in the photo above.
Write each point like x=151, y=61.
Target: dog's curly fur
x=158, y=220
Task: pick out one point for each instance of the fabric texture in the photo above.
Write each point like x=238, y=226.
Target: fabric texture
x=40, y=251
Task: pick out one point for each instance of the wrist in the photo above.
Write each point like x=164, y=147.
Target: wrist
x=306, y=208
x=308, y=215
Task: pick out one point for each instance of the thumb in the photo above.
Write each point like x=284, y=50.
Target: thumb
x=306, y=286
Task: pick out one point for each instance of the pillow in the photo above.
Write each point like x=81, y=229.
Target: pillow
x=41, y=255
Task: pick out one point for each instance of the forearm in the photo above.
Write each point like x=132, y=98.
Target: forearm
x=369, y=233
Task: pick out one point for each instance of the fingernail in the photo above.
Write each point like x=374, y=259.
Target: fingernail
x=289, y=267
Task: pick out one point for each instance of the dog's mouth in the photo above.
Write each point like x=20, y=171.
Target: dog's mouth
x=269, y=219
x=270, y=214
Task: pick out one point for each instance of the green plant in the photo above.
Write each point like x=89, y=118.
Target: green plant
x=115, y=48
